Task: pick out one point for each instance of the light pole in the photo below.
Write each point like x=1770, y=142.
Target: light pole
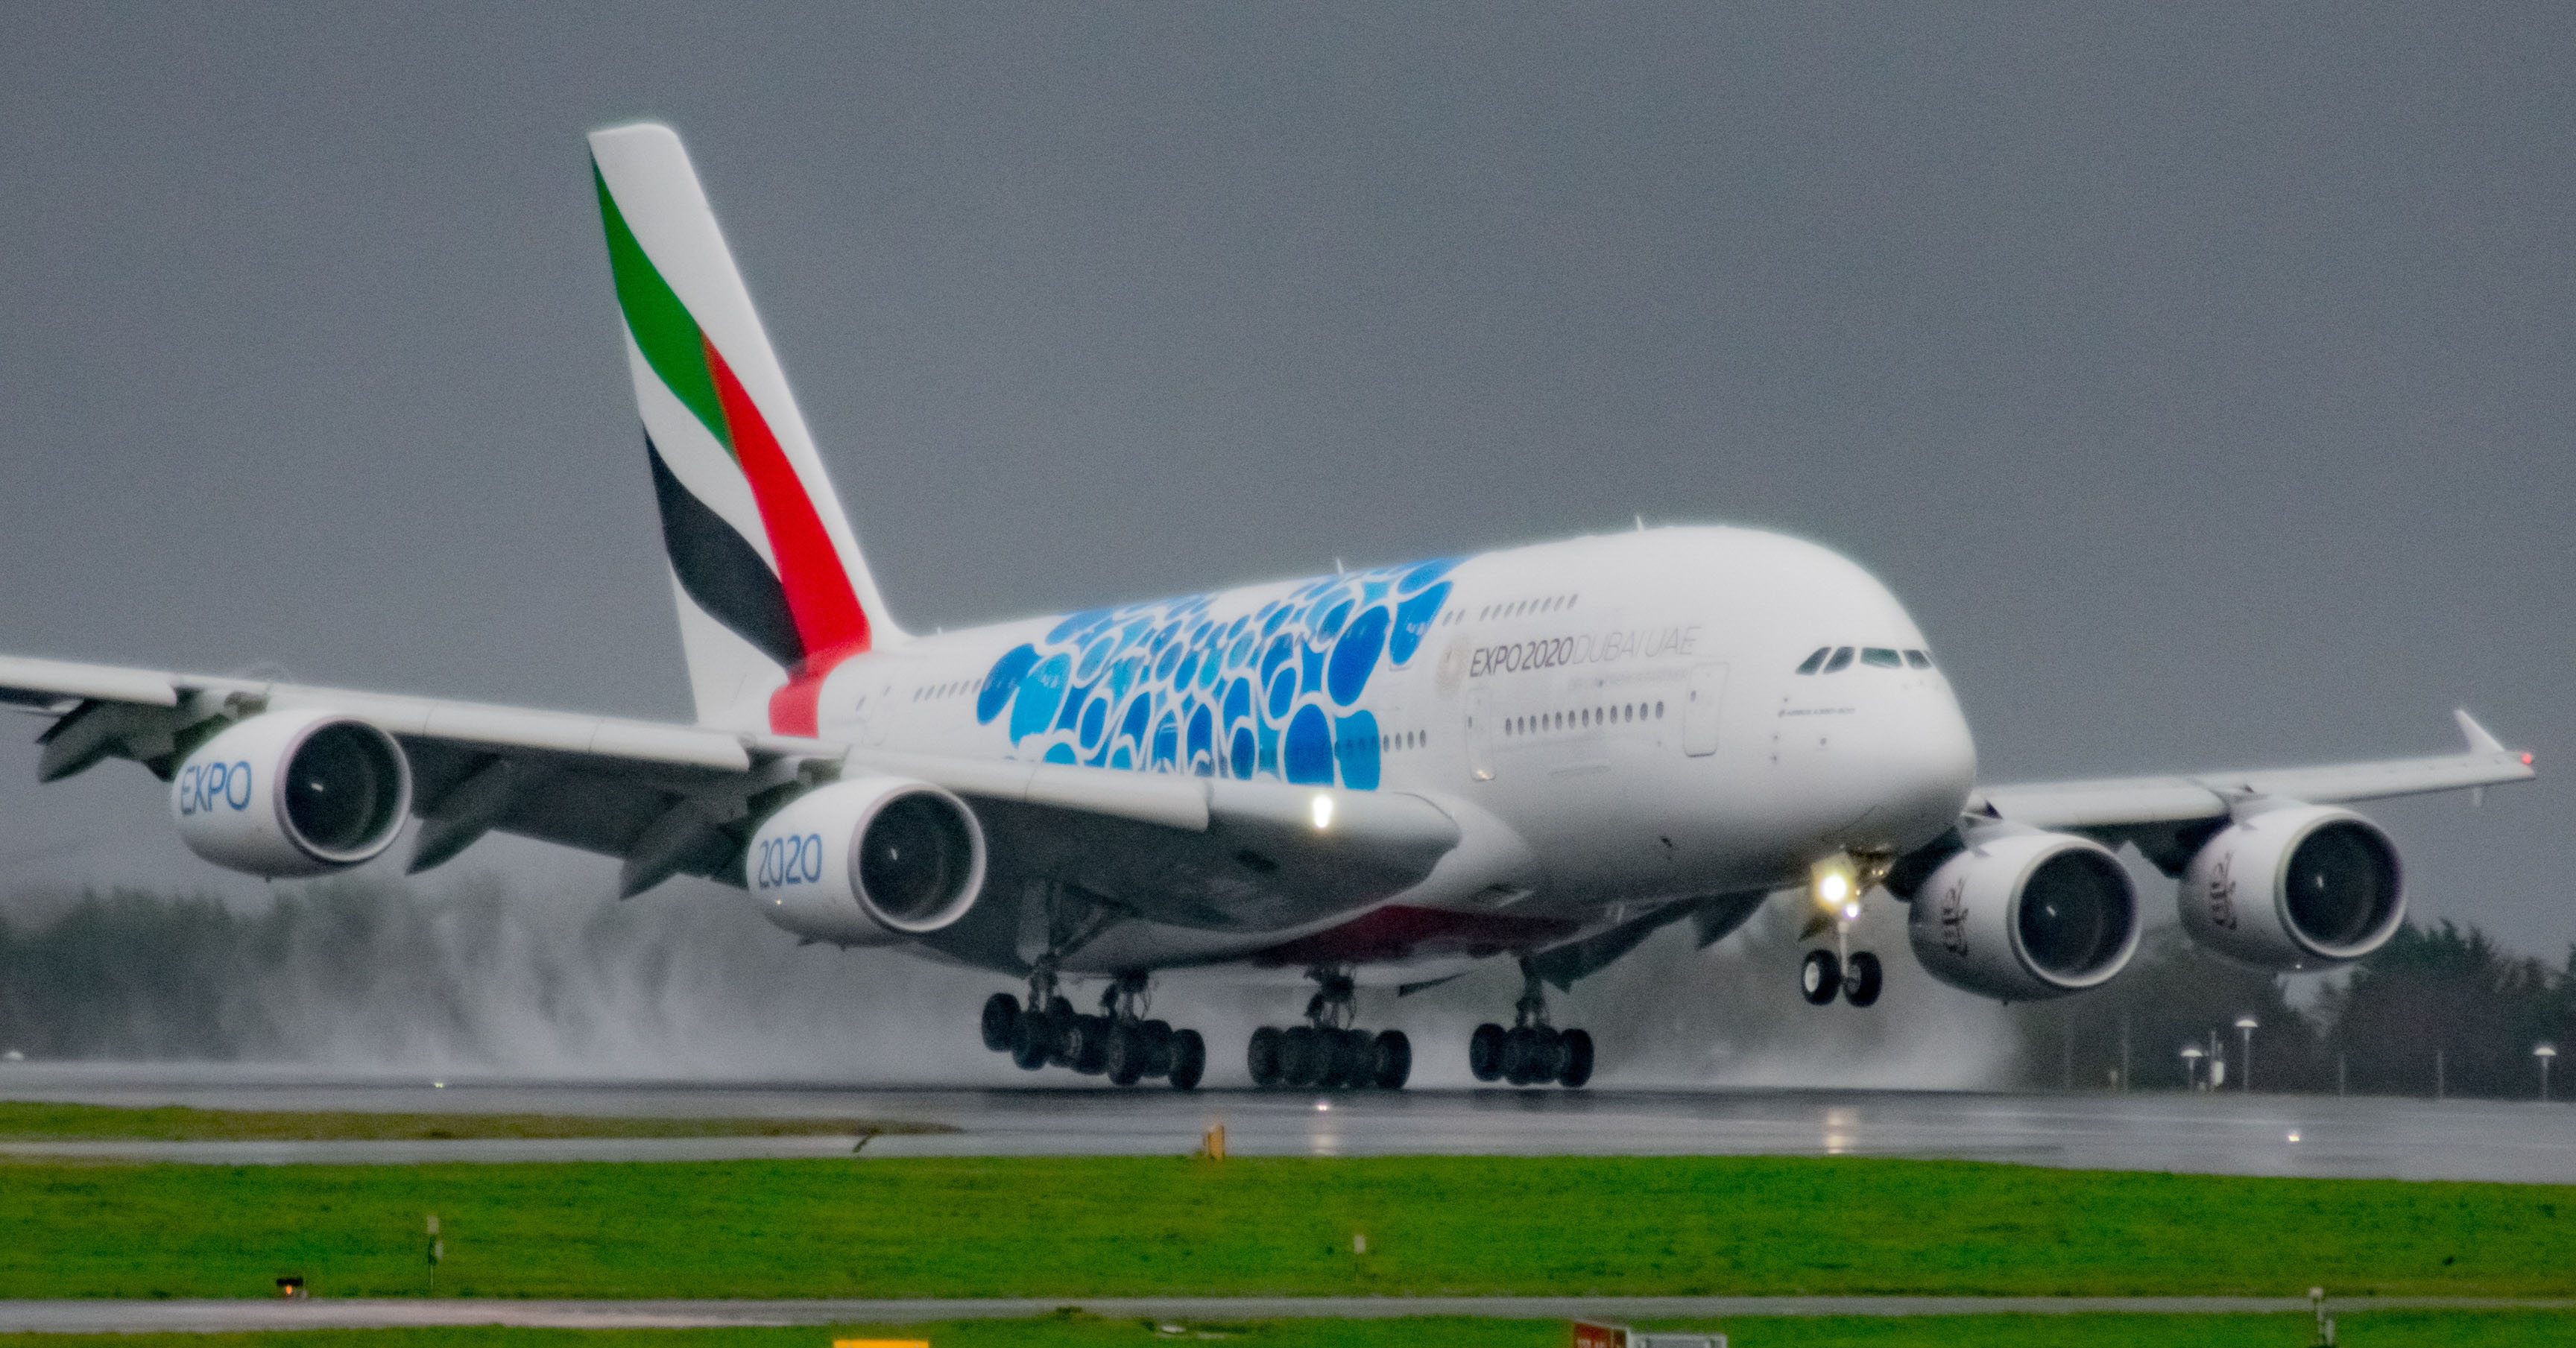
x=2191, y=1056
x=2544, y=1052
x=2245, y=1028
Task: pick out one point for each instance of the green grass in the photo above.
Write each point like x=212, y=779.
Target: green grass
x=22, y=1121
x=2373, y=1329
x=1115, y=1226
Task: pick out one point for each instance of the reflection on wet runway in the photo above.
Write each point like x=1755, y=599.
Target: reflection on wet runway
x=2218, y=1134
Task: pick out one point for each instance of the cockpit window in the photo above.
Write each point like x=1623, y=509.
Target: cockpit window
x=1918, y=659
x=1840, y=661
x=1882, y=657
x=1816, y=661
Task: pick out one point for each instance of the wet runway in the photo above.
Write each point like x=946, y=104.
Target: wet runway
x=2216, y=1134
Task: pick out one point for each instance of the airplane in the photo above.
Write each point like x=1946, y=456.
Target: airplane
x=1547, y=753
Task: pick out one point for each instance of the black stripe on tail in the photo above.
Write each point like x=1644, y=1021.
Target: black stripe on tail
x=721, y=571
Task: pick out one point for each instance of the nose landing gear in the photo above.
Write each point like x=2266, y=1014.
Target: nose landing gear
x=1532, y=1052
x=1855, y=974
x=1120, y=1042
x=1823, y=974
x=1325, y=1053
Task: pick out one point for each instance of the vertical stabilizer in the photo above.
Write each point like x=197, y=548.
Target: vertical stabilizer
x=771, y=587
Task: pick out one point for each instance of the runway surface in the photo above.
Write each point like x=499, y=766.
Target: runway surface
x=136, y=1317
x=2216, y=1134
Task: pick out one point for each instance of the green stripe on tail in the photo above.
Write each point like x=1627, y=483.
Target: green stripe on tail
x=670, y=338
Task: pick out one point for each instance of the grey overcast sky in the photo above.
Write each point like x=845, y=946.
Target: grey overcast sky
x=2200, y=375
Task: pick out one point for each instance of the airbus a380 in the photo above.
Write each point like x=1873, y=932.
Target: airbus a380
x=1546, y=753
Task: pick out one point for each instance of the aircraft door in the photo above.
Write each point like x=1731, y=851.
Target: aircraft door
x=1480, y=734
x=1700, y=708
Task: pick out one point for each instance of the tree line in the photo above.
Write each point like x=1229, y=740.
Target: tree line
x=2440, y=1010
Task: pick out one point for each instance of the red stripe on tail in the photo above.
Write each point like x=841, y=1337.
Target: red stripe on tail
x=829, y=620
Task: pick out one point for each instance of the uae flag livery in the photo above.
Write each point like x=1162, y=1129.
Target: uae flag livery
x=771, y=588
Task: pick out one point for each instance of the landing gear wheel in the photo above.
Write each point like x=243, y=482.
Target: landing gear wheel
x=1485, y=1052
x=1086, y=1044
x=1820, y=976
x=1354, y=1060
x=1032, y=1042
x=1521, y=1049
x=1001, y=1018
x=1574, y=1059
x=1862, y=979
x=1157, y=1037
x=1302, y=1057
x=1124, y=1056
x=1261, y=1056
x=1060, y=1037
x=1390, y=1060
x=1189, y=1059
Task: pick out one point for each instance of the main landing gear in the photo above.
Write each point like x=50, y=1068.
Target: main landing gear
x=1119, y=1043
x=1325, y=1053
x=1532, y=1052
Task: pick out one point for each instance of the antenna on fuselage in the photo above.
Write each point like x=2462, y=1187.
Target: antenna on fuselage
x=1641, y=522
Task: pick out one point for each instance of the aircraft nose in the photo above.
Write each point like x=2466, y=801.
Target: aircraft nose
x=1922, y=762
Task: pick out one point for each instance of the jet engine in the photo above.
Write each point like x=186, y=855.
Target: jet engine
x=2019, y=914
x=2294, y=886
x=292, y=793
x=868, y=862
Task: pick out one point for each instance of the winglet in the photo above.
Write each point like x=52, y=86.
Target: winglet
x=2479, y=740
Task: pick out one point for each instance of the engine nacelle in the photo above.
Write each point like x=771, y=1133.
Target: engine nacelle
x=2294, y=886
x=868, y=862
x=291, y=793
x=2020, y=915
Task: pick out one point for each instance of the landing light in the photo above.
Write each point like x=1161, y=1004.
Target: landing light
x=1323, y=812
x=1835, y=883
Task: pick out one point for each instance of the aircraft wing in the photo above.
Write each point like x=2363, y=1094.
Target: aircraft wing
x=2151, y=811
x=667, y=799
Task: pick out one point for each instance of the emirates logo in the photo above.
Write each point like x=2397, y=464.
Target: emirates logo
x=2222, y=894
x=1953, y=912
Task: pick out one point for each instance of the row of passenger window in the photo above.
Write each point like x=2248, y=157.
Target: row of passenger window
x=1581, y=717
x=1550, y=604
x=1836, y=659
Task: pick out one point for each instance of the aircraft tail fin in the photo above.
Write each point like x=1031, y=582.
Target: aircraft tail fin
x=771, y=587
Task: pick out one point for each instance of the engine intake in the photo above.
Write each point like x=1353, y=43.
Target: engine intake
x=292, y=793
x=2019, y=914
x=868, y=862
x=2294, y=886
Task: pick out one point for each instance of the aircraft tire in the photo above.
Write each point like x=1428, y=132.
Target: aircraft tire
x=1390, y=1060
x=1863, y=978
x=1350, y=1059
x=1521, y=1055
x=1485, y=1052
x=1158, y=1046
x=1032, y=1042
x=1301, y=1058
x=1820, y=977
x=1574, y=1059
x=1064, y=1024
x=1001, y=1020
x=1261, y=1056
x=1123, y=1057
x=1189, y=1060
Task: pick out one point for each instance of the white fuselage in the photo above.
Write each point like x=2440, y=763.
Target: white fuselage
x=1617, y=722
